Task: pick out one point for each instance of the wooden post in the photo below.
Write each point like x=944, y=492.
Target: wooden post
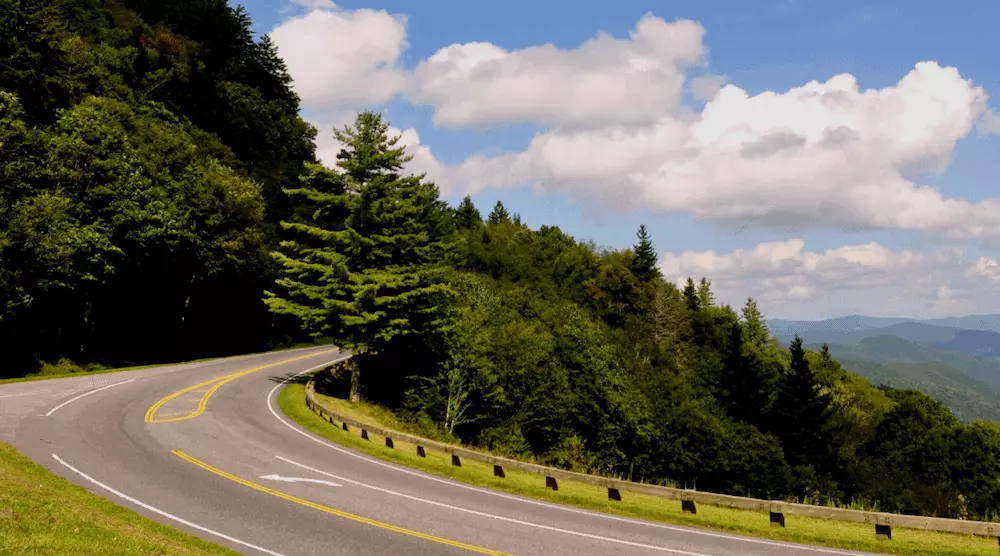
x=364, y=434
x=421, y=452
x=388, y=443
x=550, y=482
x=345, y=427
x=613, y=494
x=883, y=532
x=456, y=461
x=777, y=519
x=688, y=506
x=498, y=471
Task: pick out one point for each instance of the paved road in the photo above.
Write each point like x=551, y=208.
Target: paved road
x=219, y=460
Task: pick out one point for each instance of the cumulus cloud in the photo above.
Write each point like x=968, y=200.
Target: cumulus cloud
x=826, y=154
x=705, y=87
x=870, y=279
x=342, y=58
x=604, y=81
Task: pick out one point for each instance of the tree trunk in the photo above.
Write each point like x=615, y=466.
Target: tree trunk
x=355, y=382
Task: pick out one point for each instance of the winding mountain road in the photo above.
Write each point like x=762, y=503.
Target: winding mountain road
x=204, y=448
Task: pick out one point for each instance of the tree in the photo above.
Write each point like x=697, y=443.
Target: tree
x=645, y=259
x=379, y=277
x=467, y=216
x=691, y=296
x=499, y=214
x=800, y=411
x=754, y=326
x=705, y=295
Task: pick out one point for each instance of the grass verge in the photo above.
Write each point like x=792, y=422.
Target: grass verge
x=835, y=534
x=42, y=513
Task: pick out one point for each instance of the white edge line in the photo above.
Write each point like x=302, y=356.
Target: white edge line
x=689, y=530
x=67, y=402
x=497, y=517
x=161, y=512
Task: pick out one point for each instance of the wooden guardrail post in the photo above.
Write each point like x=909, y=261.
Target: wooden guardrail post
x=388, y=442
x=345, y=427
x=550, y=482
x=613, y=494
x=883, y=531
x=498, y=471
x=364, y=434
x=777, y=519
x=421, y=452
x=456, y=461
x=688, y=506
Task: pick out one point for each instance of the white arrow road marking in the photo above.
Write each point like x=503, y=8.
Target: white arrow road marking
x=298, y=480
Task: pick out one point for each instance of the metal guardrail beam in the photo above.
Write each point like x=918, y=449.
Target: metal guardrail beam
x=882, y=522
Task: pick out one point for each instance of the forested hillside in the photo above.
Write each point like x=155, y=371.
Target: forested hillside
x=161, y=200
x=143, y=148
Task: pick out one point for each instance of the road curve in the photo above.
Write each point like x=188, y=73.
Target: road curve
x=203, y=447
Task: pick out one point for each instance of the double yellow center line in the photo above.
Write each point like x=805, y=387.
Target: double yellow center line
x=215, y=384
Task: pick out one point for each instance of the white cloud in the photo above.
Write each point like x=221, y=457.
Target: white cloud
x=604, y=81
x=823, y=155
x=990, y=123
x=870, y=279
x=343, y=59
x=826, y=154
x=705, y=87
x=986, y=267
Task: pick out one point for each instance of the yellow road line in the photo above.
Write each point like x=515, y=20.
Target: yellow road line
x=335, y=512
x=218, y=382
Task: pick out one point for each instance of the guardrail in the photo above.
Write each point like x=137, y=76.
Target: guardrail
x=883, y=522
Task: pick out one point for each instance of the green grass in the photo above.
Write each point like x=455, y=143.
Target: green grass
x=836, y=534
x=42, y=513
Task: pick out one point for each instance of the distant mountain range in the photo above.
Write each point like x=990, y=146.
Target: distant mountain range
x=955, y=360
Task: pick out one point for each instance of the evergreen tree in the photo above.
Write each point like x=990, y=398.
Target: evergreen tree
x=800, y=411
x=467, y=216
x=754, y=325
x=691, y=296
x=645, y=259
x=705, y=295
x=377, y=279
x=499, y=214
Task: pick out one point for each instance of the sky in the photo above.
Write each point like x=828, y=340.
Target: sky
x=826, y=158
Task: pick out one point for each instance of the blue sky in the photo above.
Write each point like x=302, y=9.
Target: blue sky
x=760, y=46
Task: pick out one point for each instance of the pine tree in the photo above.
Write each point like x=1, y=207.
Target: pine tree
x=467, y=216
x=499, y=214
x=800, y=411
x=644, y=260
x=691, y=296
x=378, y=278
x=705, y=295
x=754, y=325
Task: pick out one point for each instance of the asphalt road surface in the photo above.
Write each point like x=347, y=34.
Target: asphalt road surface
x=203, y=447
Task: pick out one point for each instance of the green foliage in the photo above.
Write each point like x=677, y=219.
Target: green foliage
x=110, y=190
x=645, y=258
x=499, y=214
x=367, y=270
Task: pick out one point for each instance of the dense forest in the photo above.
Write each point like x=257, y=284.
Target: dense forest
x=160, y=200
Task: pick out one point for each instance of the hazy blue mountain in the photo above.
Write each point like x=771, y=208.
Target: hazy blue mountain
x=984, y=343
x=850, y=323
x=971, y=322
x=969, y=385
